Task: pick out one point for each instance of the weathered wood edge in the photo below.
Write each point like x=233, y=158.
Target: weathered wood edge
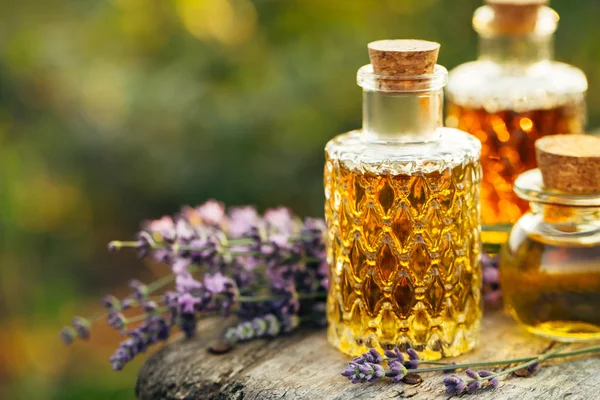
x=304, y=366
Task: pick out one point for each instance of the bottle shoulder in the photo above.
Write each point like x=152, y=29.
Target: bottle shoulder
x=493, y=86
x=454, y=147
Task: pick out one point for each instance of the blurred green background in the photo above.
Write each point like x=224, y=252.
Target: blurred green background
x=116, y=111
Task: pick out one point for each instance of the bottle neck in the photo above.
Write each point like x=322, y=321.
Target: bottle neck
x=402, y=117
x=516, y=50
x=571, y=219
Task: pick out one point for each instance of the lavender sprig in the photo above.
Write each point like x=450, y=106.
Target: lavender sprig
x=270, y=270
x=454, y=384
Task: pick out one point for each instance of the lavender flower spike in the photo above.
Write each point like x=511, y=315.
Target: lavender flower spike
x=454, y=385
x=363, y=372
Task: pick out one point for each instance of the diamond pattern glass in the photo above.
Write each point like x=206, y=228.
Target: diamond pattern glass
x=404, y=251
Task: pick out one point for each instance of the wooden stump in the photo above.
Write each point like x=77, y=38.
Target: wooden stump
x=304, y=366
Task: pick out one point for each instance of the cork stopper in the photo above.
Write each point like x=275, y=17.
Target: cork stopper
x=515, y=16
x=570, y=163
x=403, y=57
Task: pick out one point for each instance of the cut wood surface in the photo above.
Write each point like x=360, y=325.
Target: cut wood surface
x=304, y=365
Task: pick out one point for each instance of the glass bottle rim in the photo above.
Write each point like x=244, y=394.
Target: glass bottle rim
x=529, y=186
x=369, y=80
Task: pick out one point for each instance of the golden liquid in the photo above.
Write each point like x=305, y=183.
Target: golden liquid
x=507, y=139
x=552, y=289
x=404, y=254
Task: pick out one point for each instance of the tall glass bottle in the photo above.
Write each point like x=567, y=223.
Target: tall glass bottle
x=512, y=95
x=402, y=209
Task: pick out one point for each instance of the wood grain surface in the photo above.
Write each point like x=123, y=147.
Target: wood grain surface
x=304, y=366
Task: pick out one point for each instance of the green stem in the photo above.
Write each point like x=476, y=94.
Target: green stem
x=261, y=299
x=142, y=317
x=538, y=359
x=511, y=361
x=552, y=354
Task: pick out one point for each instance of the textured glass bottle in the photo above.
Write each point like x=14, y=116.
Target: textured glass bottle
x=550, y=268
x=512, y=95
x=402, y=208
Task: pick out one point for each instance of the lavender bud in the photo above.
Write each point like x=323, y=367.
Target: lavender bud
x=397, y=371
x=373, y=356
x=413, y=359
x=492, y=381
x=114, y=246
x=150, y=306
x=454, y=385
x=231, y=335
x=472, y=374
x=68, y=335
x=82, y=327
x=533, y=367
x=117, y=320
x=127, y=304
x=395, y=354
x=473, y=386
x=274, y=326
x=140, y=291
x=111, y=303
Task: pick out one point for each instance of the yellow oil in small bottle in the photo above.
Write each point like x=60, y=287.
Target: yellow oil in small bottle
x=552, y=288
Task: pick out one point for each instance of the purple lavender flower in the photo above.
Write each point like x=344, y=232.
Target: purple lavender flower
x=139, y=290
x=372, y=356
x=472, y=374
x=533, y=367
x=397, y=370
x=152, y=330
x=150, y=307
x=212, y=212
x=276, y=254
x=279, y=220
x=395, y=354
x=473, y=386
x=185, y=283
x=265, y=326
x=413, y=359
x=492, y=294
x=242, y=220
x=68, y=335
x=82, y=327
x=111, y=303
x=162, y=230
x=127, y=304
x=144, y=243
x=454, y=385
x=494, y=382
x=184, y=231
x=116, y=320
x=363, y=372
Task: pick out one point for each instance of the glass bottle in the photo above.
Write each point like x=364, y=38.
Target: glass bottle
x=512, y=95
x=402, y=209
x=550, y=267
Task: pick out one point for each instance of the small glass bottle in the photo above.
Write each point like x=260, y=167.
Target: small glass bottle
x=402, y=209
x=550, y=267
x=512, y=95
